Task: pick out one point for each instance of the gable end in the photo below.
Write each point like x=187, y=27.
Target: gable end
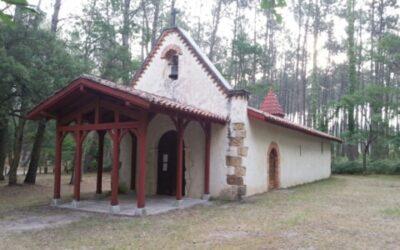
x=210, y=73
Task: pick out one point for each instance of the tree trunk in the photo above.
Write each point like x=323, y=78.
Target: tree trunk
x=154, y=29
x=54, y=18
x=35, y=154
x=216, y=20
x=19, y=135
x=352, y=147
x=314, y=75
x=3, y=146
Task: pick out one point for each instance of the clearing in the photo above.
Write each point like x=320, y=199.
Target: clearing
x=356, y=212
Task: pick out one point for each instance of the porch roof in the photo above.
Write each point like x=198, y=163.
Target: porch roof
x=282, y=122
x=138, y=98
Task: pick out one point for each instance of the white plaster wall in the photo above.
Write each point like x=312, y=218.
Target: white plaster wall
x=193, y=85
x=125, y=161
x=238, y=109
x=295, y=169
x=218, y=168
x=194, y=140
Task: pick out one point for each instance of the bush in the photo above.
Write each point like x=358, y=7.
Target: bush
x=123, y=188
x=348, y=167
x=389, y=167
x=384, y=167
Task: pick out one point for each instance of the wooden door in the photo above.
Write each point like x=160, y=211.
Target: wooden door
x=272, y=172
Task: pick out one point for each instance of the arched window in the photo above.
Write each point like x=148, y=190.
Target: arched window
x=171, y=54
x=174, y=67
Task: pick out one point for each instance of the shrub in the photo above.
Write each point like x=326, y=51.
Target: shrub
x=384, y=167
x=123, y=188
x=389, y=167
x=348, y=167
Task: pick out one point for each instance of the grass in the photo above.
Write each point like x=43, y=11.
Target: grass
x=356, y=212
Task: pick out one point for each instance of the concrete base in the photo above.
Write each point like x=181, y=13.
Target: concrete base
x=115, y=209
x=55, y=202
x=75, y=204
x=206, y=197
x=98, y=196
x=127, y=205
x=140, y=211
x=178, y=203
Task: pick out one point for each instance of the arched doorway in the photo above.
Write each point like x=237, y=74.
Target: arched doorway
x=273, y=167
x=167, y=163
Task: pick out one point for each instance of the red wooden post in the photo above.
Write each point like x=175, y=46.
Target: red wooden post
x=115, y=168
x=141, y=187
x=78, y=166
x=57, y=167
x=100, y=157
x=179, y=169
x=207, y=159
x=133, y=161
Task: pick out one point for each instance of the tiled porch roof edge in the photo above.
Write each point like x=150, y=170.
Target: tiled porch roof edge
x=152, y=99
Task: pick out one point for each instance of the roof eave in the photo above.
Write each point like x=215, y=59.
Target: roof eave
x=260, y=116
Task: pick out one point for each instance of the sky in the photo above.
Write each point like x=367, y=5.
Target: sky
x=201, y=10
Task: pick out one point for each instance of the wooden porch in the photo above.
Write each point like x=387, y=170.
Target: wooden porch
x=92, y=104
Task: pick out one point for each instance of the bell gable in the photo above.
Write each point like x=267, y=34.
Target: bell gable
x=177, y=69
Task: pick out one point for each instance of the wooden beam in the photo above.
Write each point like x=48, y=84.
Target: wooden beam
x=57, y=165
x=179, y=168
x=81, y=111
x=101, y=126
x=100, y=158
x=115, y=169
x=122, y=109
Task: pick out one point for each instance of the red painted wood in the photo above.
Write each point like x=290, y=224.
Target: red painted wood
x=133, y=161
x=90, y=84
x=57, y=166
x=101, y=126
x=122, y=109
x=141, y=186
x=179, y=168
x=78, y=166
x=97, y=112
x=100, y=158
x=207, y=159
x=115, y=168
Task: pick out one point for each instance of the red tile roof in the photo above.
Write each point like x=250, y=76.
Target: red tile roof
x=282, y=122
x=125, y=92
x=271, y=105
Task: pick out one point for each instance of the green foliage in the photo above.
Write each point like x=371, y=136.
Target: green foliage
x=8, y=19
x=347, y=167
x=343, y=166
x=385, y=166
x=123, y=188
x=273, y=5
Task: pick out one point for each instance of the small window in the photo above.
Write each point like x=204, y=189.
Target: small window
x=174, y=63
x=300, y=149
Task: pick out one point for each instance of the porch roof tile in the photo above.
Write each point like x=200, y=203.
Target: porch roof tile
x=152, y=99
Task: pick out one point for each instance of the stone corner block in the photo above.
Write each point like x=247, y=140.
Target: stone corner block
x=234, y=180
x=234, y=161
x=242, y=151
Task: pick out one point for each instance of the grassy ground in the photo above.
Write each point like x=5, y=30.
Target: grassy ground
x=342, y=212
